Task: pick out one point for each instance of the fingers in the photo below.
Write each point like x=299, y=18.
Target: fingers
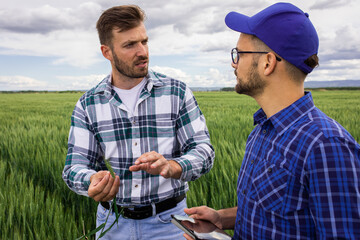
x=190, y=211
x=195, y=212
x=135, y=168
x=141, y=166
x=103, y=186
x=153, y=163
x=114, y=188
x=149, y=157
x=187, y=237
x=146, y=162
x=96, y=178
x=202, y=212
x=97, y=182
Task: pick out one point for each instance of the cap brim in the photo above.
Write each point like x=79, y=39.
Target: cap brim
x=238, y=22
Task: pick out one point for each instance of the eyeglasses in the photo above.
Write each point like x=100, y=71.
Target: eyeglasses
x=235, y=55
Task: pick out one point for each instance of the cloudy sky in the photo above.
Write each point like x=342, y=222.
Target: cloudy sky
x=53, y=45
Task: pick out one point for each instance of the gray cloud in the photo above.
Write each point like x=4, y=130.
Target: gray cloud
x=326, y=4
x=189, y=17
x=46, y=19
x=342, y=54
x=344, y=46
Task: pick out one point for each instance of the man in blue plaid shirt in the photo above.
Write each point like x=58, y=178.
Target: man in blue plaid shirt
x=300, y=176
x=148, y=126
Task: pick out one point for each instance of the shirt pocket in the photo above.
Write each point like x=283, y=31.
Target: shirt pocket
x=162, y=135
x=268, y=187
x=165, y=128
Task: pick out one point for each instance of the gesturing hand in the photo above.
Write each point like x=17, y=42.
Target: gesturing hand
x=103, y=186
x=155, y=164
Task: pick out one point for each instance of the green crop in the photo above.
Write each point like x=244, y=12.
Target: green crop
x=108, y=165
x=35, y=203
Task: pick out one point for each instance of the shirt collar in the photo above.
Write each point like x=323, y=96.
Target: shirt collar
x=289, y=115
x=153, y=79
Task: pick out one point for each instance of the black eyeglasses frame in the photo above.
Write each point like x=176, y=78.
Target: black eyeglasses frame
x=239, y=52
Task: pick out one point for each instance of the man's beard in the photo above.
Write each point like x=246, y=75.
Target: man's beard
x=131, y=71
x=255, y=84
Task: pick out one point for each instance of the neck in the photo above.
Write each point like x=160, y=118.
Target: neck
x=123, y=82
x=277, y=97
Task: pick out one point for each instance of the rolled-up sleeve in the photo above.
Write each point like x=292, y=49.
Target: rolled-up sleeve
x=83, y=152
x=193, y=136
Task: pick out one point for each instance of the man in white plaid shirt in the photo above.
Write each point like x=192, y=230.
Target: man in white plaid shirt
x=147, y=125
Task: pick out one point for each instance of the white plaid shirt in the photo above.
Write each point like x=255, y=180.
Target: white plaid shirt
x=167, y=119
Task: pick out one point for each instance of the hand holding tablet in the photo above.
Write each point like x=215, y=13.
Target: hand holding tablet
x=199, y=229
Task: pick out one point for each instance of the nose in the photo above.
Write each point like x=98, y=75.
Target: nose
x=142, y=50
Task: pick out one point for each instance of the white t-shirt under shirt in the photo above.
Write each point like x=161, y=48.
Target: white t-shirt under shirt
x=131, y=96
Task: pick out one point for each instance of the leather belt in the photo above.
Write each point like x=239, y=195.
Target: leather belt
x=146, y=211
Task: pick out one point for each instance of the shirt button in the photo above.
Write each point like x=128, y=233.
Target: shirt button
x=134, y=122
x=243, y=192
x=252, y=162
x=135, y=143
x=136, y=185
x=264, y=131
x=270, y=170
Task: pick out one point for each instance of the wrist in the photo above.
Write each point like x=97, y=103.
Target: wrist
x=91, y=177
x=219, y=222
x=227, y=218
x=175, y=169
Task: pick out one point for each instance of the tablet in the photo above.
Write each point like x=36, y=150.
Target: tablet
x=199, y=229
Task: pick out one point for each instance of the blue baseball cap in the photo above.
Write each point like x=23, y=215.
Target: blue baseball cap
x=283, y=27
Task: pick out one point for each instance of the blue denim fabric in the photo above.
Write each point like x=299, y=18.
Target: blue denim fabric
x=157, y=227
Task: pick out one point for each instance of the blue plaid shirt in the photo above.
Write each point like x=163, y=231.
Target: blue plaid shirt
x=300, y=177
x=167, y=119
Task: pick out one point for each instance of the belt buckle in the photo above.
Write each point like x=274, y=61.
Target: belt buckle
x=127, y=206
x=122, y=212
x=136, y=213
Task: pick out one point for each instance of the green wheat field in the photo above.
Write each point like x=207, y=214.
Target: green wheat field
x=35, y=203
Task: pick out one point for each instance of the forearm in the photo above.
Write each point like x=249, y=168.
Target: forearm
x=82, y=153
x=196, y=161
x=227, y=217
x=194, y=139
x=77, y=178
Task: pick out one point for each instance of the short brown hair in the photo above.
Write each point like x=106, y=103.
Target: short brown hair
x=295, y=73
x=123, y=18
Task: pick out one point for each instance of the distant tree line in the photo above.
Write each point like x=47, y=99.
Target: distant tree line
x=231, y=89
x=44, y=91
x=227, y=89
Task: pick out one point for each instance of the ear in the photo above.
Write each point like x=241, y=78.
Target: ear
x=106, y=52
x=269, y=64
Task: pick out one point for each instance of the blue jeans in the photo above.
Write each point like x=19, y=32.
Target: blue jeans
x=157, y=227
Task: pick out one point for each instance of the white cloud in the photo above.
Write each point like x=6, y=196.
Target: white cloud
x=80, y=82
x=190, y=31
x=17, y=83
x=62, y=83
x=173, y=73
x=213, y=77
x=336, y=70
x=74, y=48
